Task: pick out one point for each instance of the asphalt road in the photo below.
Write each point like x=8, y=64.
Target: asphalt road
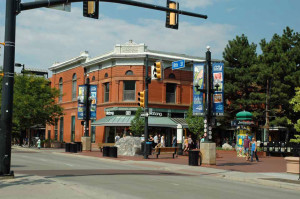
x=52, y=175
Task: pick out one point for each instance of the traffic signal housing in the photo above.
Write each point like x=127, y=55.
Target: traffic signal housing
x=141, y=98
x=91, y=9
x=1, y=74
x=158, y=69
x=172, y=18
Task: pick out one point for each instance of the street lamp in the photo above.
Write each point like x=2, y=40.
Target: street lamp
x=21, y=65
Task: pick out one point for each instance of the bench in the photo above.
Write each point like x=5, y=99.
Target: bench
x=101, y=145
x=165, y=150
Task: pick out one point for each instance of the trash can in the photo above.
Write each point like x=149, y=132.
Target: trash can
x=73, y=147
x=79, y=146
x=193, y=158
x=67, y=147
x=113, y=151
x=148, y=148
x=142, y=148
x=105, y=151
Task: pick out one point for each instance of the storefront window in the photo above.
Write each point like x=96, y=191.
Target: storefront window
x=129, y=91
x=56, y=129
x=93, y=132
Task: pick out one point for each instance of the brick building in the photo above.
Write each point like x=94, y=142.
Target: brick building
x=119, y=76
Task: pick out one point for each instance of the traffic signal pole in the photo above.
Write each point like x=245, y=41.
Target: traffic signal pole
x=208, y=95
x=146, y=108
x=7, y=89
x=87, y=106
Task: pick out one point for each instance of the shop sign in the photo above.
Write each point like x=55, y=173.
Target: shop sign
x=109, y=113
x=156, y=114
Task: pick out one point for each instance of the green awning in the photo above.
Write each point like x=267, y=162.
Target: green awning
x=181, y=121
x=123, y=120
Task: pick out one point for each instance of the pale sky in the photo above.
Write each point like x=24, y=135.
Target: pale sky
x=45, y=36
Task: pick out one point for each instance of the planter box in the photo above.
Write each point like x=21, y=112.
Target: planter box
x=292, y=164
x=46, y=145
x=55, y=145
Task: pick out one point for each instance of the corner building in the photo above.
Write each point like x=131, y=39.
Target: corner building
x=119, y=76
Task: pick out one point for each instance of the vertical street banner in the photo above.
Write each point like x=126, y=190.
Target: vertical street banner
x=197, y=95
x=81, y=102
x=218, y=85
x=93, y=96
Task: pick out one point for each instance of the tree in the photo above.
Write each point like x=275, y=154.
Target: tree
x=240, y=57
x=278, y=72
x=195, y=123
x=34, y=103
x=296, y=107
x=138, y=123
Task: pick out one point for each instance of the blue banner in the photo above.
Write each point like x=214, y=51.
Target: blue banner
x=81, y=102
x=93, y=96
x=218, y=85
x=197, y=95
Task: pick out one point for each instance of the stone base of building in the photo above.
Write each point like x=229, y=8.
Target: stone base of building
x=86, y=143
x=208, y=152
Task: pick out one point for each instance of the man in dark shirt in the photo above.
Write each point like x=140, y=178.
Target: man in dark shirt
x=246, y=147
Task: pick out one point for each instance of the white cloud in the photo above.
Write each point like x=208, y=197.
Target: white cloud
x=45, y=36
x=191, y=4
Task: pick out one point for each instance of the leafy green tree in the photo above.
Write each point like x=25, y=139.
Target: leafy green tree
x=240, y=56
x=138, y=123
x=195, y=123
x=34, y=103
x=296, y=107
x=278, y=72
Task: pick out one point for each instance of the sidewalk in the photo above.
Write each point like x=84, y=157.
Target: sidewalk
x=270, y=171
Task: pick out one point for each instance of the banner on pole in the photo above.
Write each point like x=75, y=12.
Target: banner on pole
x=81, y=102
x=93, y=107
x=197, y=95
x=218, y=85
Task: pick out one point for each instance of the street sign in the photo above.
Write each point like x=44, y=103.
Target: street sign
x=178, y=64
x=144, y=114
x=63, y=7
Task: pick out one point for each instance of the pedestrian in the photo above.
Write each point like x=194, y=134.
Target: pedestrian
x=162, y=141
x=117, y=138
x=174, y=141
x=190, y=142
x=155, y=140
x=39, y=143
x=158, y=138
x=186, y=145
x=253, y=150
x=130, y=134
x=246, y=147
x=151, y=140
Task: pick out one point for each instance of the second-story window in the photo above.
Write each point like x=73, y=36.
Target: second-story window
x=106, y=92
x=129, y=91
x=171, y=93
x=74, y=87
x=60, y=87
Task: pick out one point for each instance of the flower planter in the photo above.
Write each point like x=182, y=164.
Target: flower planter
x=292, y=164
x=46, y=145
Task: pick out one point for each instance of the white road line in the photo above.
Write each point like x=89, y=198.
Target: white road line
x=68, y=164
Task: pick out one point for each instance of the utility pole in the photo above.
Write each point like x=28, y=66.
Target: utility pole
x=267, y=124
x=7, y=89
x=146, y=108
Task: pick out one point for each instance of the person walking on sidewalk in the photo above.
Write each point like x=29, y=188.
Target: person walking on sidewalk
x=246, y=147
x=253, y=150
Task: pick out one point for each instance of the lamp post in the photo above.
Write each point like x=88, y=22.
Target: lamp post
x=21, y=65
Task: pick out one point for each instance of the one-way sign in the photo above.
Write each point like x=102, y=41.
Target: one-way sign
x=178, y=64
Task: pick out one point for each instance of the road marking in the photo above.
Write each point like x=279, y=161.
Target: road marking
x=175, y=184
x=68, y=164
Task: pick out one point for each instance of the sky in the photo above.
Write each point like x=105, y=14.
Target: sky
x=45, y=36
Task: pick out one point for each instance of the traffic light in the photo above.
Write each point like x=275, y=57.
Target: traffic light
x=157, y=69
x=141, y=98
x=172, y=18
x=91, y=9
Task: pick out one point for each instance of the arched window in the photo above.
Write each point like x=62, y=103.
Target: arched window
x=60, y=87
x=172, y=76
x=74, y=86
x=129, y=72
x=106, y=75
x=93, y=78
